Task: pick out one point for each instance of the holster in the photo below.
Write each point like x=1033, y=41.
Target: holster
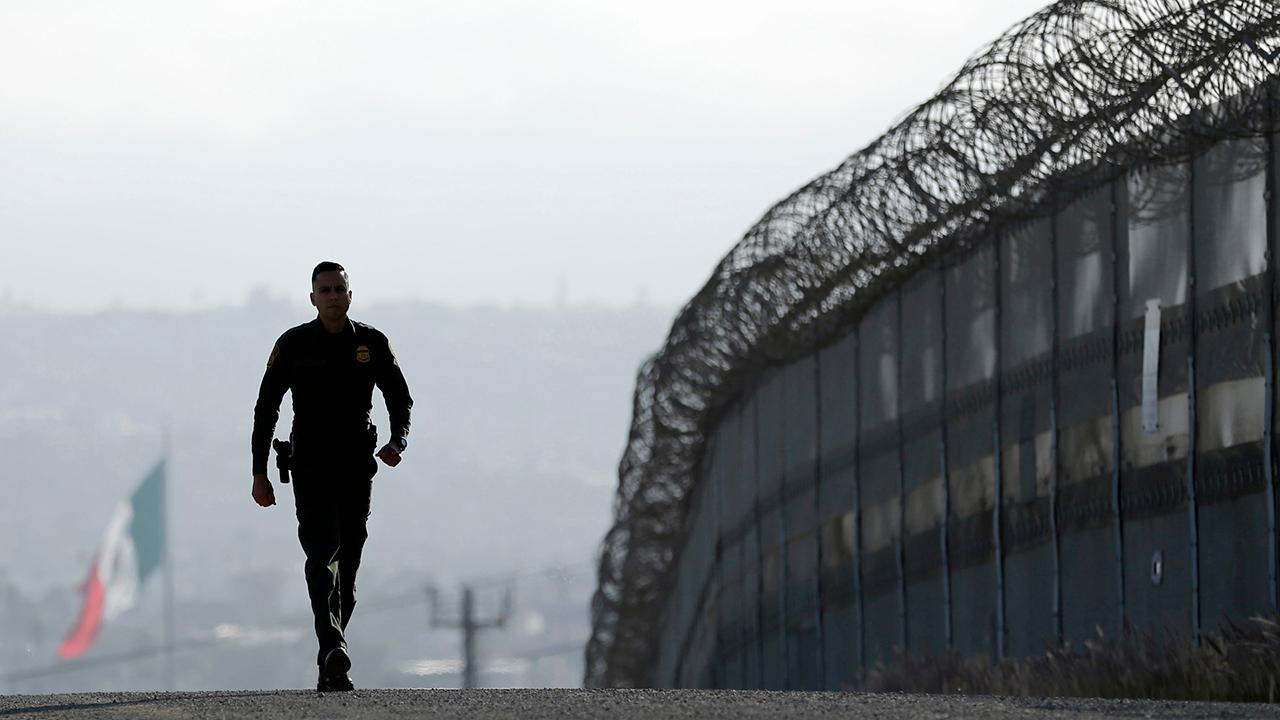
x=284, y=458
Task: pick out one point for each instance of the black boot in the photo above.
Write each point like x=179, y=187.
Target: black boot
x=333, y=673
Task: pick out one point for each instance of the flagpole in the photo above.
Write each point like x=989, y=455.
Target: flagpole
x=168, y=573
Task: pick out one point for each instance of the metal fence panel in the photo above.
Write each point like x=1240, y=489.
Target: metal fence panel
x=1086, y=446
x=692, y=660
x=705, y=581
x=690, y=588
x=1229, y=235
x=770, y=426
x=687, y=591
x=800, y=402
x=1273, y=248
x=734, y=517
x=748, y=454
x=838, y=383
x=669, y=647
x=970, y=414
x=1152, y=254
x=1058, y=99
x=709, y=623
x=922, y=462
x=675, y=647
x=837, y=510
x=878, y=479
x=1026, y=369
x=841, y=611
x=847, y=503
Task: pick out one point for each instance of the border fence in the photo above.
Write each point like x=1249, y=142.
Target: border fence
x=1002, y=379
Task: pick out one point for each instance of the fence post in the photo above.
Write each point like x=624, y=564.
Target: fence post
x=902, y=493
x=755, y=508
x=942, y=464
x=1268, y=314
x=817, y=508
x=1117, y=438
x=857, y=501
x=1054, y=537
x=1193, y=513
x=784, y=569
x=998, y=499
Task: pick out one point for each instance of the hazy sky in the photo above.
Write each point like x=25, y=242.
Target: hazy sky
x=180, y=154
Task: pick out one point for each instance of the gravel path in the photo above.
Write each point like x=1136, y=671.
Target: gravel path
x=611, y=704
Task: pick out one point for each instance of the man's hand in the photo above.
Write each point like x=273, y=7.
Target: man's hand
x=389, y=455
x=263, y=494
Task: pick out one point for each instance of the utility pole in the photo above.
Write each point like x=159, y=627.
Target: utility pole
x=469, y=625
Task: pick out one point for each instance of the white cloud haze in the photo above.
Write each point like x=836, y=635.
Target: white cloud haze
x=177, y=154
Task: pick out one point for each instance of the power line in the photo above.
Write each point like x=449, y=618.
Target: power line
x=400, y=601
x=70, y=666
x=555, y=570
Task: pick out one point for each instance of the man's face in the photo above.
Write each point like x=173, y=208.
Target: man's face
x=331, y=296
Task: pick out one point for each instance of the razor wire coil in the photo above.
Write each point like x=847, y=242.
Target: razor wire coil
x=1078, y=91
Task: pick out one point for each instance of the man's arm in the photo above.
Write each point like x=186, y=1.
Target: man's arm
x=395, y=392
x=275, y=381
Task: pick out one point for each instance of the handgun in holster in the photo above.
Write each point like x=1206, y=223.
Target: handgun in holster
x=284, y=458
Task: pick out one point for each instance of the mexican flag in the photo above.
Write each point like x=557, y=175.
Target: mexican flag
x=131, y=550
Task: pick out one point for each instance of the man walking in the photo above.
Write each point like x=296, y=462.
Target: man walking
x=331, y=366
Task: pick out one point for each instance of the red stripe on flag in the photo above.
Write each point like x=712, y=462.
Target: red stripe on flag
x=81, y=638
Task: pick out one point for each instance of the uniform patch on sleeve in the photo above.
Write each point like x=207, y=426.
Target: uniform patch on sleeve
x=271, y=359
x=362, y=353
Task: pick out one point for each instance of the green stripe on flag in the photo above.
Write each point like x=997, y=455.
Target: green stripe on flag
x=147, y=528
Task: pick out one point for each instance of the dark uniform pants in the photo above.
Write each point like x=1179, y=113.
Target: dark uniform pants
x=331, y=495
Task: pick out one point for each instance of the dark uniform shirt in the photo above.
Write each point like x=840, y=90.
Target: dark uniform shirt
x=331, y=376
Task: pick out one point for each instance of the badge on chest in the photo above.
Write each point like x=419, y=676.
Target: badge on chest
x=362, y=353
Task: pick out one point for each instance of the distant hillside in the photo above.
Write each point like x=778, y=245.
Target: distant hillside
x=520, y=416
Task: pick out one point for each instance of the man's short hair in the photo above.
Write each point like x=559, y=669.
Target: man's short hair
x=329, y=266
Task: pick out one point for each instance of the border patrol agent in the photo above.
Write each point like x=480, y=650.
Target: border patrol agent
x=331, y=366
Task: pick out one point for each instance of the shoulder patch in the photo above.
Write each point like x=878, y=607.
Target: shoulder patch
x=271, y=359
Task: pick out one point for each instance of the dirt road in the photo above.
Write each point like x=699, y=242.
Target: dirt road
x=610, y=704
